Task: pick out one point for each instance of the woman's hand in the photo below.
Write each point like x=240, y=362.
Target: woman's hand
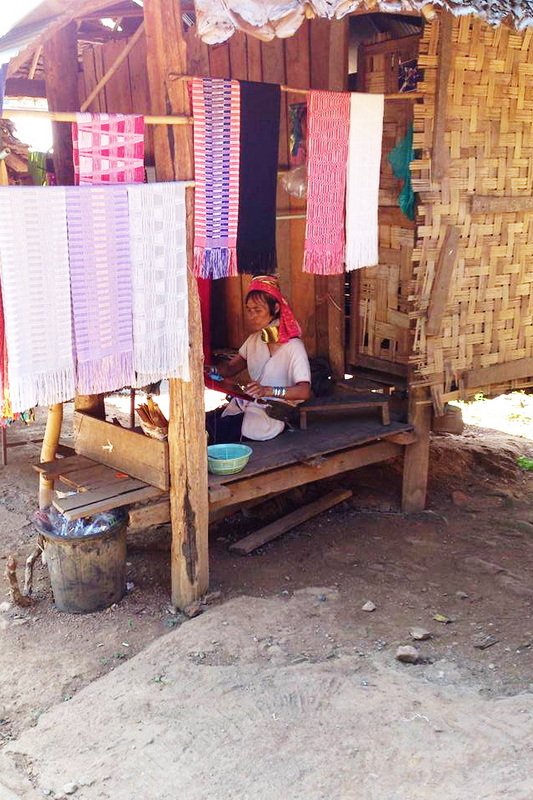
x=256, y=390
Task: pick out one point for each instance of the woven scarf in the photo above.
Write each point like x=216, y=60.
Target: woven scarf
x=108, y=148
x=5, y=405
x=3, y=77
x=288, y=324
x=100, y=276
x=159, y=274
x=364, y=164
x=327, y=155
x=36, y=295
x=216, y=110
x=256, y=236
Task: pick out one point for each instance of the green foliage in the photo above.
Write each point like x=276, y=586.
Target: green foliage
x=526, y=463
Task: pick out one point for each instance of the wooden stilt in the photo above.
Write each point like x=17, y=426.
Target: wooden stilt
x=48, y=451
x=166, y=51
x=416, y=459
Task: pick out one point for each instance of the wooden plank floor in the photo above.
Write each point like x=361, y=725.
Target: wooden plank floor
x=322, y=437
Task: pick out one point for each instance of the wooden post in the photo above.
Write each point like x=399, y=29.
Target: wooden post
x=52, y=433
x=61, y=69
x=416, y=459
x=189, y=505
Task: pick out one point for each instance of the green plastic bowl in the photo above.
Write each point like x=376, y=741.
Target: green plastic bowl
x=227, y=459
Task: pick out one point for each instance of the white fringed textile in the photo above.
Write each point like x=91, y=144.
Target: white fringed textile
x=159, y=272
x=36, y=293
x=362, y=191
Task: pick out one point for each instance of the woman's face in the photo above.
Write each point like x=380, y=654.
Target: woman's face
x=258, y=313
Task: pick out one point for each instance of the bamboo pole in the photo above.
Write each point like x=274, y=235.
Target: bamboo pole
x=113, y=68
x=70, y=116
x=48, y=451
x=175, y=76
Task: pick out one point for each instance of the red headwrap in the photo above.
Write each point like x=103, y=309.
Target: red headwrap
x=288, y=325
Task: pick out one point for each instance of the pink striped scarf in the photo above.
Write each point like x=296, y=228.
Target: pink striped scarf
x=217, y=113
x=327, y=156
x=101, y=287
x=108, y=148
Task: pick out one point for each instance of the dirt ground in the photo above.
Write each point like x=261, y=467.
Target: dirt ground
x=288, y=626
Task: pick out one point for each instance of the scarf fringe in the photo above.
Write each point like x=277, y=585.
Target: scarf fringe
x=43, y=389
x=251, y=262
x=160, y=352
x=362, y=251
x=215, y=262
x=328, y=263
x=105, y=374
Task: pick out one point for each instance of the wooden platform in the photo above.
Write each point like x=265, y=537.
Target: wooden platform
x=346, y=400
x=328, y=447
x=99, y=488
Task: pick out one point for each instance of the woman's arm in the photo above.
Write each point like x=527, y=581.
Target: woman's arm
x=232, y=367
x=298, y=393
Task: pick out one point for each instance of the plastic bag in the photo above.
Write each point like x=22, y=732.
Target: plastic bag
x=51, y=521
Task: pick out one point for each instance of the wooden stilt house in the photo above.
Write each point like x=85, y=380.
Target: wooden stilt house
x=446, y=313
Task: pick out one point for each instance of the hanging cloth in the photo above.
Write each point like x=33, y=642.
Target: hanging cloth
x=400, y=159
x=108, y=148
x=327, y=154
x=217, y=112
x=159, y=273
x=3, y=78
x=36, y=294
x=256, y=236
x=362, y=196
x=101, y=286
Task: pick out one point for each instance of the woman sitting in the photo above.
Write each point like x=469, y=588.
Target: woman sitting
x=277, y=363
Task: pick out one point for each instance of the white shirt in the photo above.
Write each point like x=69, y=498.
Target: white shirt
x=287, y=366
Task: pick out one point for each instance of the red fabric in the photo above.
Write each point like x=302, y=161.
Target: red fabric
x=204, y=292
x=327, y=157
x=288, y=324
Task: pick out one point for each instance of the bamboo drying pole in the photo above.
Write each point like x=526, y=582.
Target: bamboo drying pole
x=175, y=76
x=70, y=116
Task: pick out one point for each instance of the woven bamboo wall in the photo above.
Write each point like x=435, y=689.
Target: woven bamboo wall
x=484, y=339
x=381, y=293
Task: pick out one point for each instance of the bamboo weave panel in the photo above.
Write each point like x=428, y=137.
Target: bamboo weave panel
x=488, y=146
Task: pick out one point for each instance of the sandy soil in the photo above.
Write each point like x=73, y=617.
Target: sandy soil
x=280, y=686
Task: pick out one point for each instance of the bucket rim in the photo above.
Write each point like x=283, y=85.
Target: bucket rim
x=56, y=537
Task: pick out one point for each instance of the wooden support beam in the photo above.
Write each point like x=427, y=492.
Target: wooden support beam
x=52, y=433
x=499, y=373
x=61, y=69
x=416, y=458
x=439, y=156
x=166, y=51
x=487, y=204
x=440, y=291
x=281, y=526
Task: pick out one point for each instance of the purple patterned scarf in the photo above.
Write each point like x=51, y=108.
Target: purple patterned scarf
x=101, y=287
x=217, y=112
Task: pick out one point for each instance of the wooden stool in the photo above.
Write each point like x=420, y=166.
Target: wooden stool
x=347, y=401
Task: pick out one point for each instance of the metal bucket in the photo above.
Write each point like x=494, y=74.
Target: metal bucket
x=87, y=573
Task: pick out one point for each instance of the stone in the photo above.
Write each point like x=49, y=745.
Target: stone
x=193, y=610
x=419, y=634
x=70, y=788
x=462, y=595
x=369, y=606
x=408, y=654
